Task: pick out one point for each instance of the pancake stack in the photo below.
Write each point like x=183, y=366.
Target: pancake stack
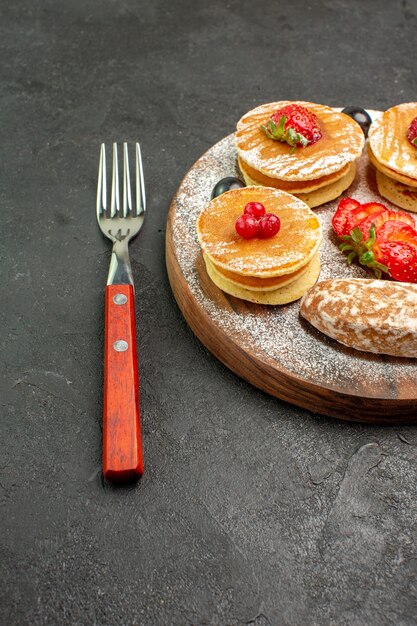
x=316, y=173
x=277, y=270
x=394, y=157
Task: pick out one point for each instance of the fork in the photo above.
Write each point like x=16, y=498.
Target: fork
x=122, y=441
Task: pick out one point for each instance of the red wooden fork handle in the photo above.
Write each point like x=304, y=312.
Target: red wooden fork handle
x=122, y=441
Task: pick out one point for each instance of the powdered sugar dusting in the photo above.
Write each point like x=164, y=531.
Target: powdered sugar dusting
x=277, y=334
x=312, y=167
x=388, y=139
x=259, y=257
x=372, y=315
x=341, y=144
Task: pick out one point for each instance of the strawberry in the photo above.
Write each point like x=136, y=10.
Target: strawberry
x=294, y=125
x=355, y=217
x=339, y=218
x=401, y=260
x=396, y=231
x=398, y=259
x=412, y=132
x=380, y=219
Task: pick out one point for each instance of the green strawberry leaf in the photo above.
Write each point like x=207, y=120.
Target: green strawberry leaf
x=356, y=235
x=372, y=237
x=292, y=136
x=364, y=250
x=285, y=135
x=267, y=132
x=366, y=258
x=350, y=257
x=303, y=140
x=281, y=124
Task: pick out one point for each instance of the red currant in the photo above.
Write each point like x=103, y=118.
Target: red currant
x=268, y=225
x=254, y=208
x=246, y=226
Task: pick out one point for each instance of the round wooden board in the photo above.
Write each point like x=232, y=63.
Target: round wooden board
x=272, y=347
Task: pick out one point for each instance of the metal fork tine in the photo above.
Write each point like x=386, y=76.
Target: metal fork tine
x=127, y=194
x=120, y=218
x=101, y=184
x=140, y=183
x=115, y=196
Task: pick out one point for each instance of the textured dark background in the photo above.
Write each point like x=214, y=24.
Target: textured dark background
x=251, y=511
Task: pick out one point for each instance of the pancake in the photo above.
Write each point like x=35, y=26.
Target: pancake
x=293, y=187
x=329, y=192
x=401, y=195
x=389, y=144
x=314, y=197
x=259, y=284
x=341, y=143
x=289, y=250
x=284, y=295
x=401, y=178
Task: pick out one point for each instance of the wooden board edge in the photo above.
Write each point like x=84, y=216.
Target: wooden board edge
x=282, y=385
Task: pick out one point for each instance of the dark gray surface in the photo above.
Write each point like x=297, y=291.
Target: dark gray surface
x=251, y=511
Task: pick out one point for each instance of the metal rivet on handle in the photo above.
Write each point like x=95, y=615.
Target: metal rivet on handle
x=120, y=345
x=120, y=298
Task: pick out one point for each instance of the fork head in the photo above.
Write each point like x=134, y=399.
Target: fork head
x=121, y=220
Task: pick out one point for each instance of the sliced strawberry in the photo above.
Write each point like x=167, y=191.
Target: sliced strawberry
x=339, y=218
x=371, y=205
x=355, y=217
x=383, y=217
x=400, y=258
x=396, y=231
